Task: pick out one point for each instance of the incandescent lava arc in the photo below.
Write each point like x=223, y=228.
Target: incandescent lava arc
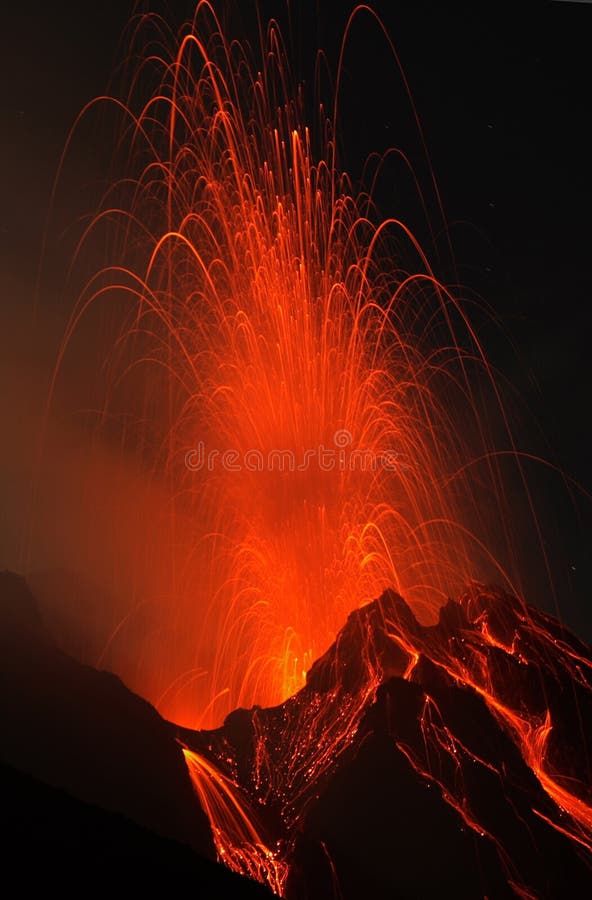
x=312, y=403
x=315, y=406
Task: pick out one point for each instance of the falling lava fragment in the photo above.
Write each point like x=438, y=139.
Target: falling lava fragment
x=416, y=759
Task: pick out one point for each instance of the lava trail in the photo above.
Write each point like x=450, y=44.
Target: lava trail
x=312, y=403
x=491, y=707
x=316, y=409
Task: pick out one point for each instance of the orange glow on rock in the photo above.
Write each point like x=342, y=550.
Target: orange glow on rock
x=309, y=400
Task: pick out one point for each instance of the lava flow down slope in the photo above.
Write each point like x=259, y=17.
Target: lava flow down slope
x=466, y=741
x=450, y=759
x=301, y=417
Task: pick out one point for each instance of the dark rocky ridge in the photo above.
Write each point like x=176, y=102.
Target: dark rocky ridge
x=432, y=795
x=389, y=775
x=110, y=789
x=53, y=840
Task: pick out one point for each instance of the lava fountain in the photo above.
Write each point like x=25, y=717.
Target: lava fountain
x=307, y=394
x=314, y=407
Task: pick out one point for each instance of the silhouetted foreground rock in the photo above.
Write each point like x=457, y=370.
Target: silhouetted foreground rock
x=50, y=839
x=83, y=731
x=450, y=760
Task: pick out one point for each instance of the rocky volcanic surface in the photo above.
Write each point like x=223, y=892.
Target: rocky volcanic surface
x=94, y=785
x=417, y=761
x=426, y=761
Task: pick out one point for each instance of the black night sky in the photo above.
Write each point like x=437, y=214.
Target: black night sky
x=504, y=101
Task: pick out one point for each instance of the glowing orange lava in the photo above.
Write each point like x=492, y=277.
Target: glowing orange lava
x=311, y=404
x=306, y=401
x=295, y=750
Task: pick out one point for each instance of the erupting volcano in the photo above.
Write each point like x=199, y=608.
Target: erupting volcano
x=314, y=407
x=485, y=708
x=314, y=413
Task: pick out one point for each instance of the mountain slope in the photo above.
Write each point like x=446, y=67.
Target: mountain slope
x=422, y=759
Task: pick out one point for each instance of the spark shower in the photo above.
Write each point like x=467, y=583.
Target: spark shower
x=257, y=301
